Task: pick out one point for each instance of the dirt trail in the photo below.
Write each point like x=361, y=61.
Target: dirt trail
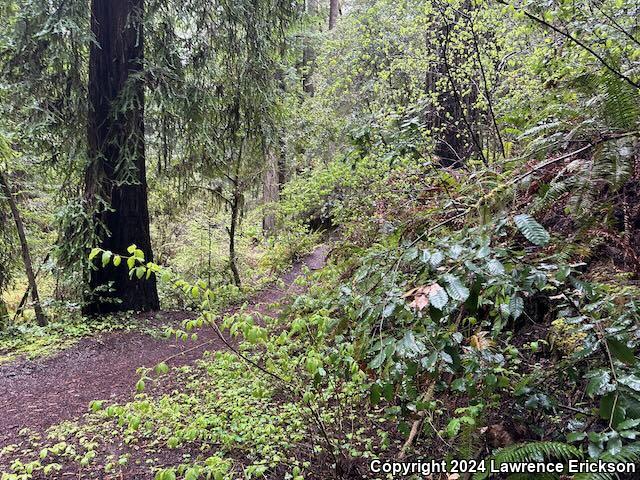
x=39, y=394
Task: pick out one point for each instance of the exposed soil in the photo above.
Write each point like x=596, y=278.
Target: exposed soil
x=39, y=394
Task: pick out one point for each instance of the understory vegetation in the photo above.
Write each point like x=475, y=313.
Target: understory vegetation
x=398, y=230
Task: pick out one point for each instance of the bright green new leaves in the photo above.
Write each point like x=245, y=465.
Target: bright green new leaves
x=161, y=368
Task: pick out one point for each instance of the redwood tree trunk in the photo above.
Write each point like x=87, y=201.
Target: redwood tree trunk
x=117, y=174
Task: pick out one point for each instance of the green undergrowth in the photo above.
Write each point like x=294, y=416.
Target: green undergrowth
x=218, y=423
x=286, y=404
x=30, y=341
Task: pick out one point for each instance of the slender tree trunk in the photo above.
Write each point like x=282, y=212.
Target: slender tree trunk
x=26, y=255
x=4, y=315
x=308, y=61
x=271, y=190
x=117, y=173
x=235, y=211
x=309, y=54
x=447, y=118
x=334, y=11
x=282, y=165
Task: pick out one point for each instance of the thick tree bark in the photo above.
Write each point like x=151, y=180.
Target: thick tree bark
x=117, y=173
x=334, y=11
x=26, y=255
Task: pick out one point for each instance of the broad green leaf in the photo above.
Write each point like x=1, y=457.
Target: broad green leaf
x=409, y=344
x=516, y=306
x=495, y=267
x=532, y=230
x=436, y=259
x=106, y=257
x=162, y=368
x=456, y=290
x=610, y=408
x=576, y=437
x=438, y=296
x=621, y=351
x=599, y=383
x=614, y=445
x=192, y=474
x=631, y=381
x=379, y=359
x=453, y=427
x=627, y=424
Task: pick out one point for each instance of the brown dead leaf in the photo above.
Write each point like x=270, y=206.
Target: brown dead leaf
x=421, y=296
x=420, y=302
x=498, y=436
x=480, y=342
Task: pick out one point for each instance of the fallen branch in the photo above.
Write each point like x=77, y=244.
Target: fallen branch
x=25, y=297
x=415, y=428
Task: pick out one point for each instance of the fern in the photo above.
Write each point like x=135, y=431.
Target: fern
x=532, y=452
x=614, y=108
x=621, y=104
x=629, y=453
x=555, y=191
x=532, y=230
x=613, y=162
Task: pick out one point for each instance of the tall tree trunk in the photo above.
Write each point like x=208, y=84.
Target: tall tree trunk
x=448, y=118
x=334, y=11
x=117, y=173
x=4, y=314
x=308, y=53
x=270, y=190
x=235, y=212
x=26, y=255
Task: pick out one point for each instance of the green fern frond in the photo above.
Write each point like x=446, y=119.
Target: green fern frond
x=553, y=194
x=532, y=452
x=613, y=162
x=617, y=101
x=628, y=454
x=621, y=105
x=532, y=230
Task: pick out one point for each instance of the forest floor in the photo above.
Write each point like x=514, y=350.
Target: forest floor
x=37, y=394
